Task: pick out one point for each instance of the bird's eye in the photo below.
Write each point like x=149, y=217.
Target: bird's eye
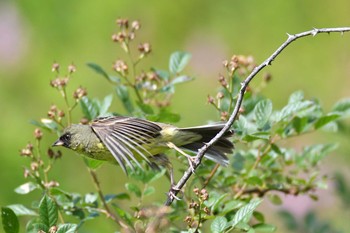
x=66, y=137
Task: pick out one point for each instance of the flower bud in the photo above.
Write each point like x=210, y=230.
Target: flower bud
x=38, y=134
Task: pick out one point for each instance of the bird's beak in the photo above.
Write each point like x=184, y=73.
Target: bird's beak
x=59, y=142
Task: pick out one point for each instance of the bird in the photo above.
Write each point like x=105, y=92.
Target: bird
x=127, y=140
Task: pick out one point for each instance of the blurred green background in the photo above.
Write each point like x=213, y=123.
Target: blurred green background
x=33, y=34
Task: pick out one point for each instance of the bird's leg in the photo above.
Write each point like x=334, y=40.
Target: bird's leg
x=189, y=158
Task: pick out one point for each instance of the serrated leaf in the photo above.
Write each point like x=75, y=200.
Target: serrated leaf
x=10, y=221
x=324, y=120
x=294, y=109
x=21, y=210
x=178, y=61
x=48, y=211
x=26, y=188
x=98, y=69
x=262, y=112
x=123, y=94
x=218, y=225
x=245, y=211
x=67, y=228
x=265, y=228
x=133, y=188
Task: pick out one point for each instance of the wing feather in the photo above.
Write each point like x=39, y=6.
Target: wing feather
x=124, y=137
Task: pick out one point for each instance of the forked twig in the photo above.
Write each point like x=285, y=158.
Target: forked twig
x=198, y=158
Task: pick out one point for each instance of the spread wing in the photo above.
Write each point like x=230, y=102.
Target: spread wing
x=125, y=136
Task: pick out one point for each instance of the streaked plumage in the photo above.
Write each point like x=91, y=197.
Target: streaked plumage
x=126, y=139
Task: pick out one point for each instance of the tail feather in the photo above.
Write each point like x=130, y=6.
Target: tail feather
x=218, y=151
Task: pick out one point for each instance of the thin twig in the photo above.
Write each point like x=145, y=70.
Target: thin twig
x=105, y=206
x=175, y=190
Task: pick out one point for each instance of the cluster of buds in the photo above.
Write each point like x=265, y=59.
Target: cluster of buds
x=59, y=82
x=55, y=113
x=54, y=155
x=144, y=49
x=51, y=184
x=127, y=31
x=127, y=34
x=79, y=93
x=239, y=61
x=120, y=67
x=201, y=194
x=27, y=151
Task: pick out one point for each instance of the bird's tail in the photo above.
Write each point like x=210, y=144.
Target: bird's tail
x=218, y=151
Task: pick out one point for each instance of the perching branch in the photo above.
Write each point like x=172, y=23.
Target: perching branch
x=198, y=158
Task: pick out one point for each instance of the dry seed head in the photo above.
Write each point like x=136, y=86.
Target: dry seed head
x=55, y=67
x=122, y=23
x=135, y=25
x=38, y=134
x=120, y=66
x=224, y=116
x=72, y=68
x=144, y=48
x=79, y=93
x=210, y=99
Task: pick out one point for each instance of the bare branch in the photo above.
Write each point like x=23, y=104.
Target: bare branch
x=198, y=158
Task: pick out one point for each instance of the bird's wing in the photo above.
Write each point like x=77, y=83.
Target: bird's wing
x=124, y=137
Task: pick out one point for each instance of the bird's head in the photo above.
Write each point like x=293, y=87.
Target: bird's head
x=73, y=136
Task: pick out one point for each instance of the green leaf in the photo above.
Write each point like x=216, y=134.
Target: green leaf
x=90, y=198
x=67, y=228
x=26, y=188
x=256, y=136
x=21, y=210
x=254, y=180
x=324, y=120
x=299, y=124
x=45, y=123
x=259, y=216
x=296, y=97
x=165, y=115
x=149, y=191
x=245, y=211
x=315, y=153
x=178, y=61
x=145, y=107
x=265, y=228
x=98, y=69
x=133, y=188
x=93, y=163
x=10, y=222
x=89, y=107
x=262, y=112
x=289, y=220
x=275, y=199
x=181, y=79
x=295, y=109
x=106, y=103
x=342, y=106
x=34, y=227
x=123, y=94
x=120, y=196
x=48, y=211
x=218, y=225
